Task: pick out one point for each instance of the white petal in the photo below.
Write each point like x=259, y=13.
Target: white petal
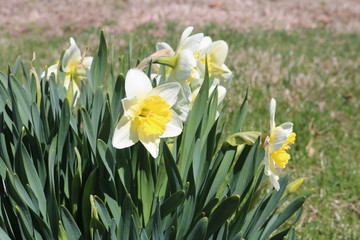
x=221, y=93
x=174, y=127
x=67, y=82
x=50, y=70
x=186, y=62
x=168, y=91
x=71, y=56
x=272, y=109
x=164, y=45
x=151, y=143
x=131, y=107
x=76, y=91
x=219, y=50
x=280, y=135
x=157, y=77
x=204, y=47
x=137, y=84
x=182, y=108
x=186, y=34
x=124, y=134
x=87, y=61
x=274, y=179
x=191, y=43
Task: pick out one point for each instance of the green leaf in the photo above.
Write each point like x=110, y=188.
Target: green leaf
x=199, y=230
x=224, y=211
x=89, y=189
x=72, y=230
x=248, y=138
x=34, y=181
x=3, y=235
x=172, y=170
x=241, y=115
x=63, y=128
x=283, y=216
x=103, y=213
x=99, y=63
x=89, y=130
x=172, y=203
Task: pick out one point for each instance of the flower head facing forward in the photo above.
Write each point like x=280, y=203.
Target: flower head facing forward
x=148, y=114
x=276, y=145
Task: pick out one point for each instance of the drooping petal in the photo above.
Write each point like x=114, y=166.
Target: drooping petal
x=151, y=143
x=168, y=91
x=72, y=57
x=137, y=84
x=124, y=135
x=186, y=63
x=279, y=135
x=272, y=109
x=174, y=127
x=87, y=61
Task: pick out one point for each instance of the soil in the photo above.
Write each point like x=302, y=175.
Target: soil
x=54, y=18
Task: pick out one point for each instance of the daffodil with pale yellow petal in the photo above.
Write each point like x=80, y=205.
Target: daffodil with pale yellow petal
x=276, y=146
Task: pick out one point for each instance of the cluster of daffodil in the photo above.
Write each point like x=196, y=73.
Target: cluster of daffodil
x=160, y=112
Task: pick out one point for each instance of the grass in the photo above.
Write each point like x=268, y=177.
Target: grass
x=313, y=74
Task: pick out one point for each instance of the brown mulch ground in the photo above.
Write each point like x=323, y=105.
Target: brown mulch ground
x=53, y=18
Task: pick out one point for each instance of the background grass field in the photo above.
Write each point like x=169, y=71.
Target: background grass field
x=314, y=75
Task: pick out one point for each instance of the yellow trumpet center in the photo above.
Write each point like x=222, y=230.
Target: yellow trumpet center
x=153, y=115
x=281, y=157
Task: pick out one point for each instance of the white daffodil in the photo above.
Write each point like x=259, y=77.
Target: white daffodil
x=182, y=61
x=276, y=146
x=216, y=53
x=148, y=114
x=74, y=65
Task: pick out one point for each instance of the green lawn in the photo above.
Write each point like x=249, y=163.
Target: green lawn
x=313, y=74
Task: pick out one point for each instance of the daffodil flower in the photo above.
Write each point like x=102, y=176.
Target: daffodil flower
x=74, y=65
x=276, y=146
x=182, y=61
x=216, y=53
x=148, y=114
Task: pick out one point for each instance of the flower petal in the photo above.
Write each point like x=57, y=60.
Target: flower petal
x=131, y=107
x=272, y=109
x=186, y=63
x=204, y=47
x=174, y=127
x=124, y=135
x=280, y=135
x=72, y=56
x=151, y=143
x=87, y=61
x=164, y=45
x=186, y=34
x=50, y=70
x=168, y=91
x=219, y=50
x=137, y=84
